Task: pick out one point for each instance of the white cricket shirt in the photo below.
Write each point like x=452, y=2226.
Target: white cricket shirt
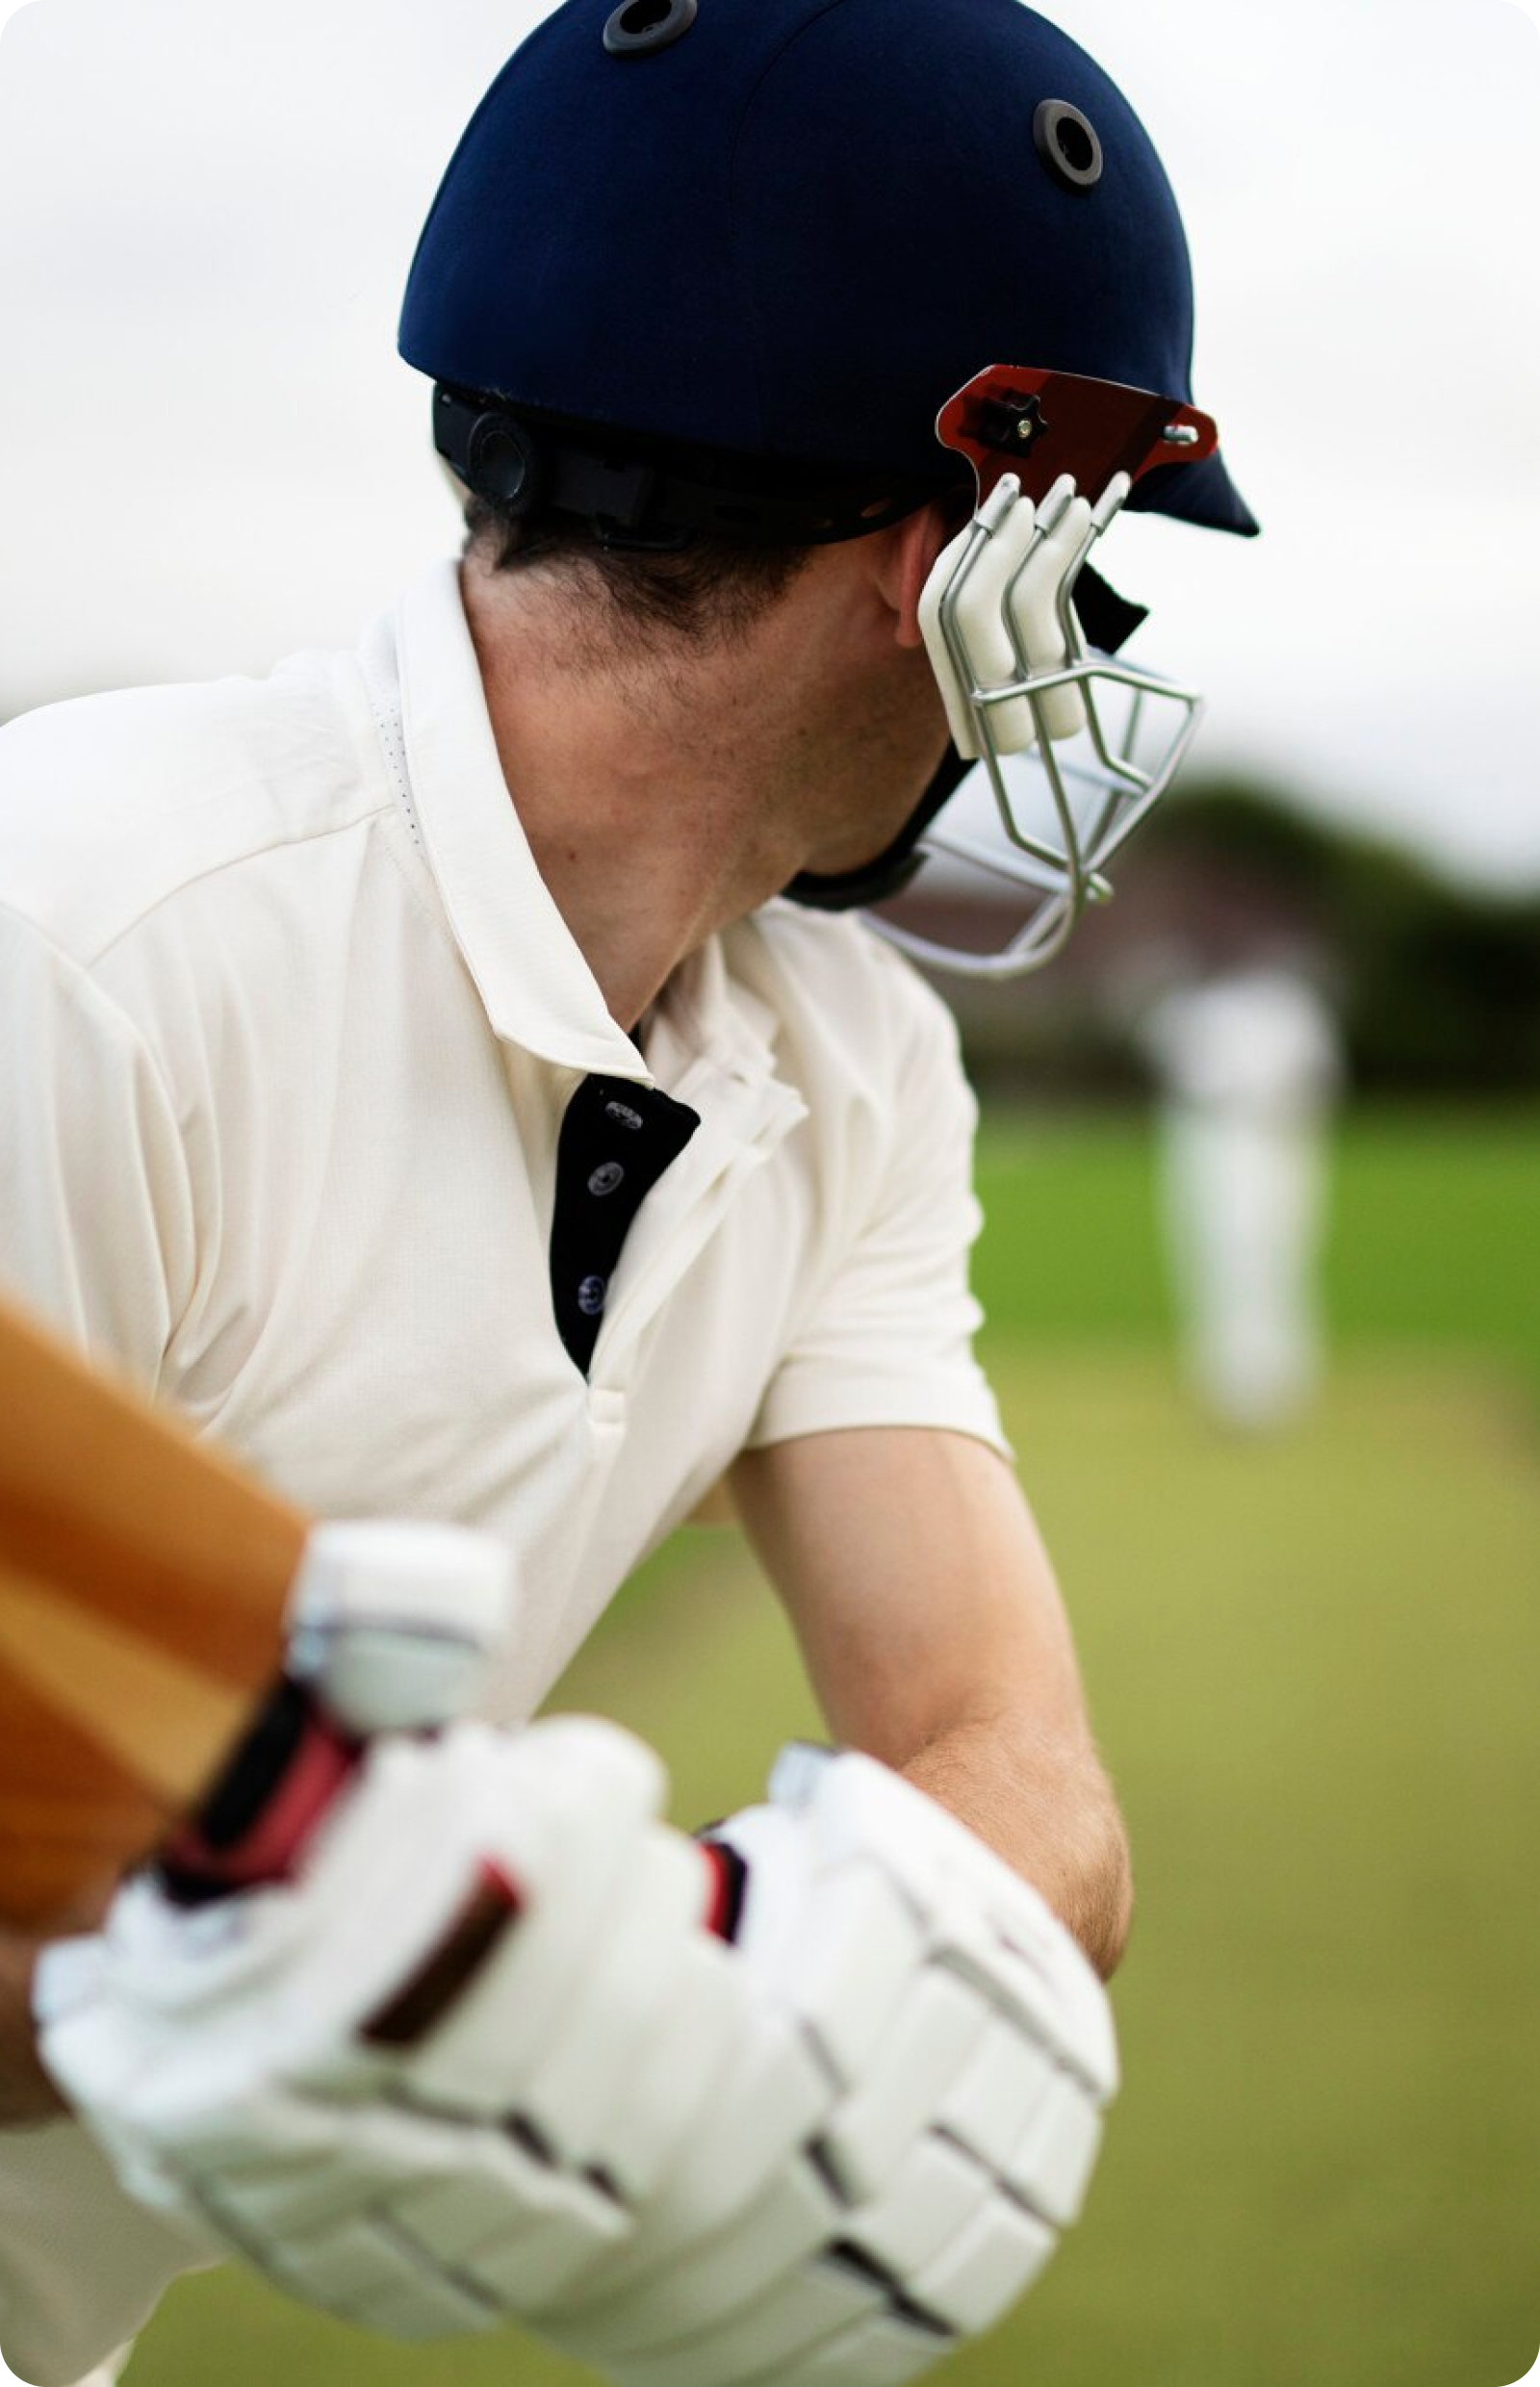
x=289, y=1023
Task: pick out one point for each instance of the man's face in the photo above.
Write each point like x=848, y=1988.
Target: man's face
x=863, y=726
x=895, y=739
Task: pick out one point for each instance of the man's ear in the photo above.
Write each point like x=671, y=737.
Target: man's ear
x=917, y=541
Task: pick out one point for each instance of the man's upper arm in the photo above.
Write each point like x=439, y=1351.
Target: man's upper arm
x=96, y=1211
x=878, y=1490
x=918, y=1585
x=936, y=1639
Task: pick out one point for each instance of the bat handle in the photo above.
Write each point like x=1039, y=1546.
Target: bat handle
x=256, y=1822
x=392, y=1627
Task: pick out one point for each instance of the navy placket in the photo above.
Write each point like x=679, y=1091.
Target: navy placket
x=617, y=1138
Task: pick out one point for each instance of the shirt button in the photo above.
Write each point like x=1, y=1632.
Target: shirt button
x=606, y=1178
x=591, y=1294
x=623, y=1114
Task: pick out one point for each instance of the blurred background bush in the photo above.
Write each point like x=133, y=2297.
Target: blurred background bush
x=1435, y=980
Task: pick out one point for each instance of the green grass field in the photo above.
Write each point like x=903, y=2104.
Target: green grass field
x=1314, y=1667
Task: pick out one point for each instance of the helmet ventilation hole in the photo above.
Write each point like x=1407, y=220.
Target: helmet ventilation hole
x=1066, y=142
x=640, y=26
x=1075, y=146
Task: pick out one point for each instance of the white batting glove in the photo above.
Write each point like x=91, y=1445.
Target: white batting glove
x=429, y=2076
x=966, y=2053
x=429, y=2080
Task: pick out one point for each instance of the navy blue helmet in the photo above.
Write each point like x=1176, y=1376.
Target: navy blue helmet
x=764, y=241
x=716, y=267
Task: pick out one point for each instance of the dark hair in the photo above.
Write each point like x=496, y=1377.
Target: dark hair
x=710, y=591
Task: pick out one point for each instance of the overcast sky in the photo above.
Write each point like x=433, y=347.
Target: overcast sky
x=209, y=454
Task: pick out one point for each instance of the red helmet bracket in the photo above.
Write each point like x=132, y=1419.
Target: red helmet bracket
x=1040, y=425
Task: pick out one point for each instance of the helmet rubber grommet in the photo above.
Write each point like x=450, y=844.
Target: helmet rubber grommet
x=504, y=464
x=1067, y=143
x=640, y=27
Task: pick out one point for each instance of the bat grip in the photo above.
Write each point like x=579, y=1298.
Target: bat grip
x=392, y=1624
x=255, y=1823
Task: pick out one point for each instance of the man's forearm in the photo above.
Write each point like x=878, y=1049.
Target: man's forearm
x=1050, y=1813
x=27, y=2094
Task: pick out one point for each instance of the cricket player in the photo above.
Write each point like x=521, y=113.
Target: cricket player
x=457, y=1075
x=1249, y=1065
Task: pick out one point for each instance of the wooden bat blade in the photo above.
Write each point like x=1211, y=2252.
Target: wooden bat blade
x=144, y=1580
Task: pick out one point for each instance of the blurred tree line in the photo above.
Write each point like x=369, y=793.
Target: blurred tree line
x=1436, y=985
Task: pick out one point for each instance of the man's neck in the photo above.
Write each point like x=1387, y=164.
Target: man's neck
x=648, y=795
x=668, y=789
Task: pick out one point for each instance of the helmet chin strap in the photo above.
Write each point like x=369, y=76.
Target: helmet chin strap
x=1108, y=621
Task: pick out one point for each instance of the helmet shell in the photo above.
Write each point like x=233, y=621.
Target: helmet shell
x=795, y=229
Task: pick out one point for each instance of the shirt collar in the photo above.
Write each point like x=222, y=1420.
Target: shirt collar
x=529, y=969
x=538, y=990
x=705, y=1015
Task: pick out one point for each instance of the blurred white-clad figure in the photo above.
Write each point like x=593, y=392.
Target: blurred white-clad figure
x=1250, y=1067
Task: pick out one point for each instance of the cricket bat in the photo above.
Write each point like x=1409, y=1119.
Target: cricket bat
x=143, y=1580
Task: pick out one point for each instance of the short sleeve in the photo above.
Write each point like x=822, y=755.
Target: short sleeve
x=95, y=1237
x=887, y=1339
x=95, y=1213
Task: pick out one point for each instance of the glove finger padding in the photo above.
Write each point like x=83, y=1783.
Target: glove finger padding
x=394, y=1622
x=960, y=2054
